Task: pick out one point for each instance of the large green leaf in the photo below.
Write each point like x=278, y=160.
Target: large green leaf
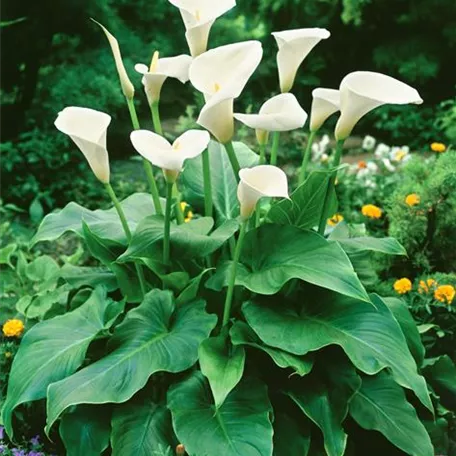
x=79, y=276
x=242, y=334
x=240, y=426
x=141, y=429
x=324, y=397
x=154, y=337
x=273, y=255
x=85, y=431
x=222, y=364
x=103, y=223
x=224, y=184
x=6, y=253
x=441, y=374
x=52, y=350
x=304, y=207
x=369, y=335
x=381, y=405
x=291, y=437
x=43, y=270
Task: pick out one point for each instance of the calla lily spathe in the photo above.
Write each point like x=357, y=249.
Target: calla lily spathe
x=170, y=157
x=199, y=16
x=258, y=182
x=88, y=128
x=221, y=75
x=294, y=47
x=324, y=104
x=363, y=91
x=159, y=70
x=281, y=113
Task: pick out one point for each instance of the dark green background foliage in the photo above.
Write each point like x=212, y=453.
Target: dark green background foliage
x=53, y=56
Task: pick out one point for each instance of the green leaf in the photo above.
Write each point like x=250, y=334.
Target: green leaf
x=409, y=328
x=240, y=426
x=85, y=431
x=45, y=271
x=6, y=253
x=44, y=302
x=369, y=335
x=242, y=334
x=190, y=293
x=52, y=350
x=79, y=276
x=441, y=374
x=224, y=184
x=324, y=397
x=304, y=207
x=290, y=437
x=154, y=337
x=104, y=224
x=222, y=364
x=141, y=429
x=381, y=405
x=36, y=211
x=273, y=255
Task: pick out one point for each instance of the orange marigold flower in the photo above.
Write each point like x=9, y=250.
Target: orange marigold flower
x=412, y=200
x=438, y=147
x=362, y=164
x=371, y=211
x=13, y=328
x=335, y=219
x=403, y=286
x=425, y=286
x=445, y=294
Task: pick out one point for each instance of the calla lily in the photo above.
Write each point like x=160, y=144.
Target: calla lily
x=325, y=103
x=199, y=16
x=170, y=157
x=159, y=70
x=280, y=113
x=294, y=47
x=127, y=87
x=221, y=75
x=258, y=182
x=363, y=91
x=88, y=128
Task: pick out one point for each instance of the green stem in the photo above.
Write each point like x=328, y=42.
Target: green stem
x=147, y=165
x=208, y=206
x=178, y=209
x=232, y=278
x=233, y=159
x=126, y=228
x=331, y=184
x=169, y=202
x=262, y=154
x=154, y=107
x=275, y=148
x=306, y=157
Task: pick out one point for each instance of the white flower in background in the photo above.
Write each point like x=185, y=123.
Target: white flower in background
x=88, y=129
x=388, y=165
x=257, y=182
x=319, y=148
x=324, y=158
x=294, y=47
x=370, y=184
x=221, y=75
x=159, y=70
x=382, y=150
x=170, y=157
x=127, y=87
x=400, y=154
x=199, y=16
x=364, y=169
x=363, y=91
x=325, y=102
x=369, y=143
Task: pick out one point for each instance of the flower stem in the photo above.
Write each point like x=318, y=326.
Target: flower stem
x=262, y=154
x=178, y=208
x=331, y=184
x=169, y=202
x=233, y=159
x=275, y=147
x=154, y=107
x=147, y=165
x=306, y=157
x=232, y=278
x=208, y=206
x=126, y=228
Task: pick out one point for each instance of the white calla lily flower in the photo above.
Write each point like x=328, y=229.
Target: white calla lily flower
x=294, y=47
x=198, y=17
x=159, y=70
x=218, y=119
x=363, y=91
x=324, y=104
x=281, y=113
x=258, y=182
x=170, y=157
x=88, y=129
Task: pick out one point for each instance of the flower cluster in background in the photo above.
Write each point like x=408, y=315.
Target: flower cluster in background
x=443, y=293
x=32, y=447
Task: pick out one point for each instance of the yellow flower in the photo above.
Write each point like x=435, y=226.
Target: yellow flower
x=403, y=285
x=335, y=219
x=400, y=155
x=13, y=328
x=371, y=211
x=438, y=147
x=8, y=354
x=445, y=293
x=424, y=287
x=189, y=216
x=183, y=206
x=412, y=200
